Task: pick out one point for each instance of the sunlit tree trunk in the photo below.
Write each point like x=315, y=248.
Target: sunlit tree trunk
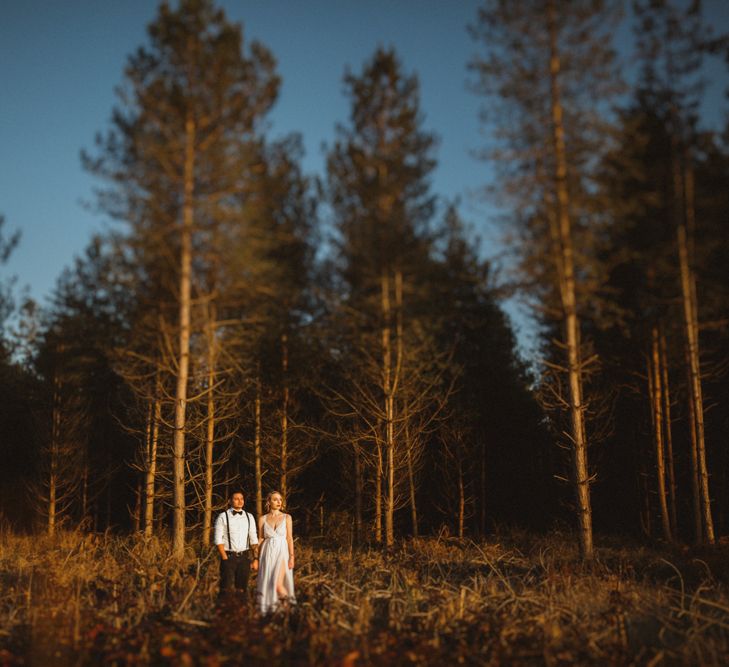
x=411, y=480
x=389, y=407
x=695, y=482
x=358, y=484
x=669, y=436
x=461, y=499
x=210, y=427
x=257, y=449
x=183, y=353
x=284, y=416
x=54, y=453
x=85, y=500
x=390, y=378
x=656, y=400
x=691, y=328
x=378, y=489
x=566, y=273
x=137, y=511
x=151, y=473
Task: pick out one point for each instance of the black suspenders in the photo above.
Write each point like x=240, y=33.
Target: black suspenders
x=248, y=530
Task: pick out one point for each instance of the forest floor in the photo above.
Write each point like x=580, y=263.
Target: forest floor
x=514, y=600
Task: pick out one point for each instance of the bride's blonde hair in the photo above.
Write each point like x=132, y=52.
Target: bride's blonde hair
x=271, y=495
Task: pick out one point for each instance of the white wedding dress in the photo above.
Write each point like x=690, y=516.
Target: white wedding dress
x=273, y=557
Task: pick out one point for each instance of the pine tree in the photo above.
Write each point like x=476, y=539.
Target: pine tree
x=178, y=157
x=548, y=70
x=378, y=186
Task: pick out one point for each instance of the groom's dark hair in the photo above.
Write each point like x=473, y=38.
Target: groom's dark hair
x=232, y=493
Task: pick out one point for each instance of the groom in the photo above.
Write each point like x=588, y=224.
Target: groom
x=236, y=538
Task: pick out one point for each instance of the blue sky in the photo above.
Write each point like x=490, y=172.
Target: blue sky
x=60, y=61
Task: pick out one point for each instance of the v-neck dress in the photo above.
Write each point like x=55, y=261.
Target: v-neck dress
x=273, y=557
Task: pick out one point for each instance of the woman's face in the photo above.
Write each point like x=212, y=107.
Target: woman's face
x=275, y=501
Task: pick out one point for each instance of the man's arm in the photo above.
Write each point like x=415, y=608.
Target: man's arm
x=218, y=537
x=253, y=540
x=253, y=535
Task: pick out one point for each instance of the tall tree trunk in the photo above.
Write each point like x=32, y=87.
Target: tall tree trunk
x=183, y=353
x=691, y=328
x=482, y=504
x=389, y=408
x=656, y=399
x=411, y=479
x=695, y=482
x=257, y=448
x=694, y=353
x=461, y=500
x=668, y=430
x=137, y=511
x=53, y=463
x=151, y=473
x=379, y=472
x=566, y=271
x=210, y=431
x=646, y=514
x=85, y=499
x=284, y=416
x=357, y=493
x=107, y=494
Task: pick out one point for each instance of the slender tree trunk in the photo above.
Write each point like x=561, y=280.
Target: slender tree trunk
x=53, y=463
x=389, y=416
x=411, y=480
x=482, y=506
x=669, y=436
x=461, y=501
x=646, y=514
x=210, y=434
x=695, y=483
x=284, y=416
x=146, y=454
x=183, y=353
x=685, y=219
x=137, y=512
x=357, y=493
x=379, y=472
x=691, y=315
x=257, y=449
x=566, y=271
x=656, y=399
x=85, y=497
x=151, y=473
x=108, y=490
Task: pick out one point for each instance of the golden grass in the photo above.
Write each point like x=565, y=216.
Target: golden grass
x=522, y=600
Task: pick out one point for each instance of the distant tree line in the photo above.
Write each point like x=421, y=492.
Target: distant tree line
x=220, y=336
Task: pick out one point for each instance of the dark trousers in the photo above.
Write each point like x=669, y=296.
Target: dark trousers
x=234, y=572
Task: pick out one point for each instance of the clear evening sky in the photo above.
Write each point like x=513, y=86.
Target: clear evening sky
x=60, y=61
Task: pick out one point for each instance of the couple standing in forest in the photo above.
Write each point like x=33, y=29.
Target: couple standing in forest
x=236, y=537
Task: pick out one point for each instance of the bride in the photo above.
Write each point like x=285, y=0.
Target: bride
x=275, y=572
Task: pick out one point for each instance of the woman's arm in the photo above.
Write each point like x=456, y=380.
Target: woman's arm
x=261, y=534
x=290, y=540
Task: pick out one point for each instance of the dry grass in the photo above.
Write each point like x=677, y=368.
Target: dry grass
x=522, y=600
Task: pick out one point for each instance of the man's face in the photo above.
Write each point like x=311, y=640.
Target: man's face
x=236, y=501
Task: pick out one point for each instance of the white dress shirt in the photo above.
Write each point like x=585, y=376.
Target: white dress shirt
x=242, y=530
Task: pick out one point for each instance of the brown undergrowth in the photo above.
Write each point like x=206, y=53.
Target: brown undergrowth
x=519, y=600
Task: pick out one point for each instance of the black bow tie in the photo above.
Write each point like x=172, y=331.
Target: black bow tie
x=237, y=512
